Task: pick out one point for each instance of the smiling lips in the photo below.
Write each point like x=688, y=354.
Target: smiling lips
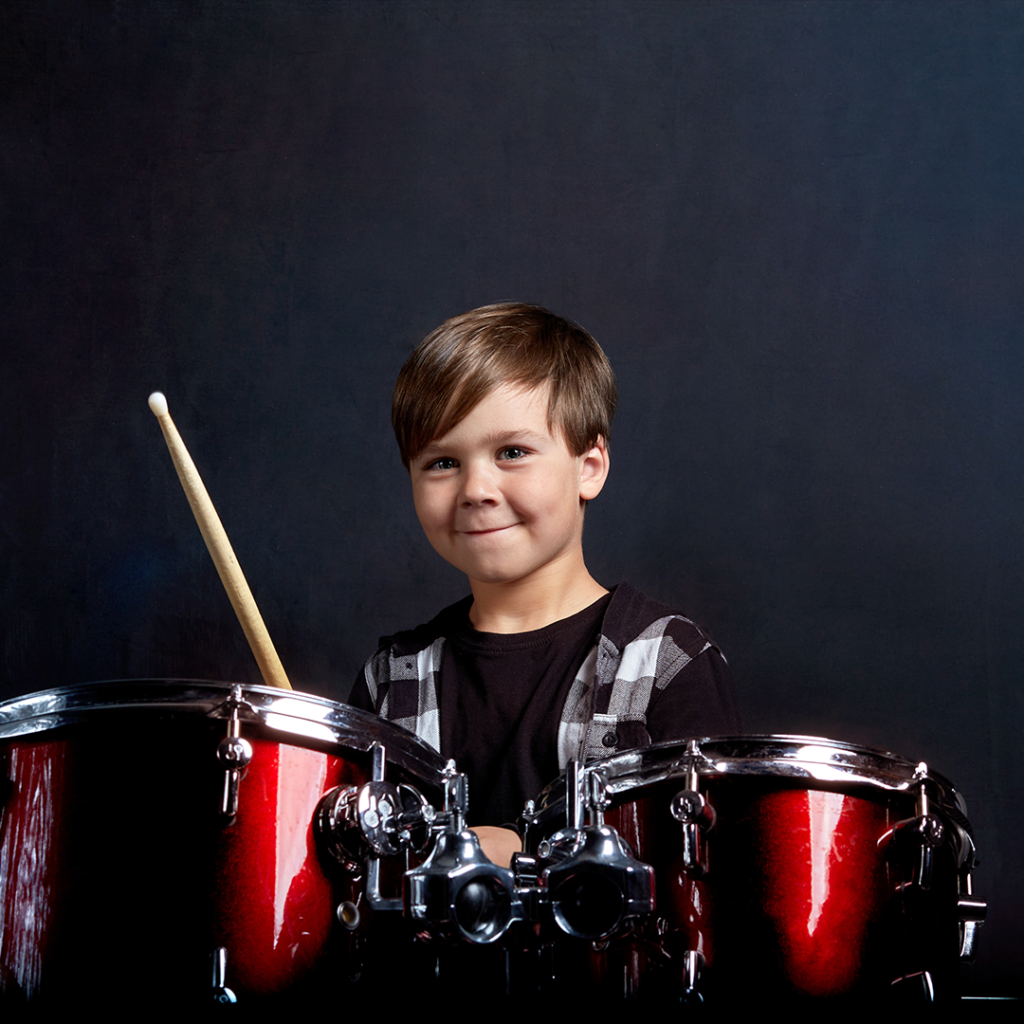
x=487, y=530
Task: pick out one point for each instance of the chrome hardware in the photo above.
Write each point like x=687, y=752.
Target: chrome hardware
x=376, y=817
x=697, y=817
x=573, y=797
x=457, y=889
x=595, y=883
x=972, y=914
x=348, y=915
x=234, y=753
x=359, y=824
x=971, y=911
x=597, y=797
x=918, y=985
x=920, y=835
x=694, y=963
x=456, y=796
x=587, y=878
x=221, y=993
x=524, y=870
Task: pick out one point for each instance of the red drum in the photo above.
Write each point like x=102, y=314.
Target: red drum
x=157, y=842
x=786, y=867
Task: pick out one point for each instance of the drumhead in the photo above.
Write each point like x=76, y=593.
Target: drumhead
x=822, y=762
x=289, y=713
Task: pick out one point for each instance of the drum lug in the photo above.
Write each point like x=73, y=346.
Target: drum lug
x=234, y=753
x=971, y=912
x=691, y=809
x=694, y=964
x=221, y=993
x=697, y=817
x=923, y=833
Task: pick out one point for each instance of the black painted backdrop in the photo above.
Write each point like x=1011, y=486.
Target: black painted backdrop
x=797, y=229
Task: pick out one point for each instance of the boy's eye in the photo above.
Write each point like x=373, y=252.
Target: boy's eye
x=512, y=453
x=442, y=463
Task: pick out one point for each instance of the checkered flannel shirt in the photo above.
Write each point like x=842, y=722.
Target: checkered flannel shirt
x=641, y=647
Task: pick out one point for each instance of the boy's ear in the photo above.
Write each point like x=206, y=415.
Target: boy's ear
x=593, y=470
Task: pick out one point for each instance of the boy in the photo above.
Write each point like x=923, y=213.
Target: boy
x=502, y=417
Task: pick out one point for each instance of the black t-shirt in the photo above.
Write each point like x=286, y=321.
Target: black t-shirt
x=501, y=698
x=501, y=695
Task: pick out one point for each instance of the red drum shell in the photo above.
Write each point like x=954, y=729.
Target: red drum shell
x=804, y=896
x=117, y=877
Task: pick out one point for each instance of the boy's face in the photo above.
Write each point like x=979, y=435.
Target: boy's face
x=499, y=495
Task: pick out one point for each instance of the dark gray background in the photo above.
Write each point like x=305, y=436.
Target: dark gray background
x=796, y=228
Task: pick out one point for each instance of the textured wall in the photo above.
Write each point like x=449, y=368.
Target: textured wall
x=797, y=229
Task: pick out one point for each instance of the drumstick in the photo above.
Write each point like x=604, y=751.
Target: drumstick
x=219, y=546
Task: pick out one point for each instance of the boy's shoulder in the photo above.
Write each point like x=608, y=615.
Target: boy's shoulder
x=632, y=616
x=410, y=641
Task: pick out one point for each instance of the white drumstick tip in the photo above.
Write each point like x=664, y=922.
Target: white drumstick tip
x=158, y=403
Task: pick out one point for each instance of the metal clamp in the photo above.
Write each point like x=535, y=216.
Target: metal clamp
x=457, y=890
x=357, y=825
x=588, y=879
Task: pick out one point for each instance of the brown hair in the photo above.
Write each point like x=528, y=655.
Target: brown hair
x=468, y=356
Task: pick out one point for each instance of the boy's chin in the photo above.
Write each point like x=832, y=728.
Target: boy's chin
x=507, y=576
x=509, y=571
x=494, y=579
x=493, y=576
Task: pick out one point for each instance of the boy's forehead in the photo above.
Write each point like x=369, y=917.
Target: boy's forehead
x=507, y=409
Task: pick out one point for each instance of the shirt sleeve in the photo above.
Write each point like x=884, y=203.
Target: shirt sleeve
x=700, y=700
x=359, y=697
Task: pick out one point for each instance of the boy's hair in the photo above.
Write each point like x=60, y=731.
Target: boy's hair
x=469, y=356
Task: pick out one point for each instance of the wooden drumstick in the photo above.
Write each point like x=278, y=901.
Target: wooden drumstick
x=219, y=546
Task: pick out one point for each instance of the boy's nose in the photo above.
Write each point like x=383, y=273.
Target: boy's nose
x=477, y=485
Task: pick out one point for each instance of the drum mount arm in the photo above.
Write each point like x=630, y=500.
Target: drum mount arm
x=457, y=890
x=587, y=877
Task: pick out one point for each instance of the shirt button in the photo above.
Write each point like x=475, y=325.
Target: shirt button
x=609, y=739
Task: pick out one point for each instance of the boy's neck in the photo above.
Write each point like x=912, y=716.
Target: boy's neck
x=532, y=603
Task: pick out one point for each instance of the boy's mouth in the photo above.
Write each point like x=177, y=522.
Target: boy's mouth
x=487, y=530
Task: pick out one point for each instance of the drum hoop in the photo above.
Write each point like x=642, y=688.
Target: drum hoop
x=816, y=758
x=287, y=712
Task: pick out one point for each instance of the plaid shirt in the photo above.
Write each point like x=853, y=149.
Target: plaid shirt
x=642, y=646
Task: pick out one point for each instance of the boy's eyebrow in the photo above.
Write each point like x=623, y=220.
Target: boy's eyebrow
x=492, y=440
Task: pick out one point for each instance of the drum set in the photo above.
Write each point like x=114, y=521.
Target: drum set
x=182, y=843
x=186, y=844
